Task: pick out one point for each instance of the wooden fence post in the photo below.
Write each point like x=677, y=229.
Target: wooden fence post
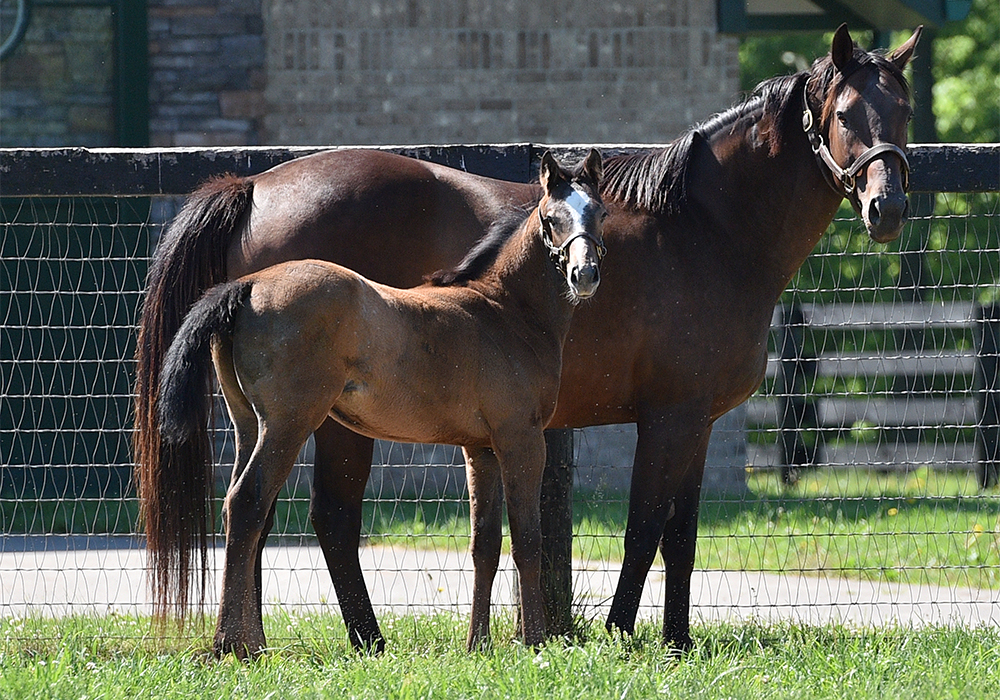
x=988, y=393
x=557, y=532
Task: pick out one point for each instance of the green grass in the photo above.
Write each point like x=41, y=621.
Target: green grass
x=927, y=527
x=115, y=657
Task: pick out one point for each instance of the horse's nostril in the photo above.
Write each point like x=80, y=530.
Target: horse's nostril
x=874, y=214
x=589, y=274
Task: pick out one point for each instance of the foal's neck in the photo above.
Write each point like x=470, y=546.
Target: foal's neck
x=525, y=278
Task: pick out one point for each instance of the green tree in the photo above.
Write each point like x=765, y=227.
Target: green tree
x=967, y=76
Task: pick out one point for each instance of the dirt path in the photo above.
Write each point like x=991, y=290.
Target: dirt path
x=98, y=576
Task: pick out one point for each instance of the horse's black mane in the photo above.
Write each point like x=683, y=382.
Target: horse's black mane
x=482, y=255
x=658, y=180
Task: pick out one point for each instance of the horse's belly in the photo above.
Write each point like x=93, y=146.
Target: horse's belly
x=410, y=420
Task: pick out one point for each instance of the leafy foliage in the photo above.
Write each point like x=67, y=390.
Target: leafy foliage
x=967, y=76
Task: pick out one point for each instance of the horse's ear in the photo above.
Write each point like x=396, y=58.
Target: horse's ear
x=902, y=55
x=842, y=50
x=548, y=171
x=593, y=166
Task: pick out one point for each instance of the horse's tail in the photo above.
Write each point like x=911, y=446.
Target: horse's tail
x=185, y=378
x=190, y=258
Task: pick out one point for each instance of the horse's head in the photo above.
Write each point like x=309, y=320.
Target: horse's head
x=859, y=131
x=572, y=214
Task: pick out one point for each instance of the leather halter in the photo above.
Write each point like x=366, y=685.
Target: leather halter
x=840, y=179
x=560, y=254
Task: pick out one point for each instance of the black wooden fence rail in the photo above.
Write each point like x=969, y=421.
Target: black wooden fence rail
x=80, y=172
x=802, y=417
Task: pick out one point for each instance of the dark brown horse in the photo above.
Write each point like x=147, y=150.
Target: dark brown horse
x=471, y=359
x=715, y=225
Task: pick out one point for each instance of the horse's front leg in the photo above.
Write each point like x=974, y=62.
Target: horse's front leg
x=666, y=483
x=522, y=460
x=343, y=464
x=486, y=518
x=677, y=547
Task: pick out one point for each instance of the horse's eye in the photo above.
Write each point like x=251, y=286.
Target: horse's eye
x=604, y=215
x=842, y=118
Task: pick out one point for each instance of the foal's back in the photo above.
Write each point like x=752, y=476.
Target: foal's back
x=429, y=364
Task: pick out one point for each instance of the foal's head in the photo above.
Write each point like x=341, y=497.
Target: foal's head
x=860, y=102
x=571, y=214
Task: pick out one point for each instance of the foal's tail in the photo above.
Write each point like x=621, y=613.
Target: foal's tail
x=190, y=258
x=183, y=512
x=185, y=378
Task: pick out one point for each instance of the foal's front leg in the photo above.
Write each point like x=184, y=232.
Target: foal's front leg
x=485, y=513
x=522, y=460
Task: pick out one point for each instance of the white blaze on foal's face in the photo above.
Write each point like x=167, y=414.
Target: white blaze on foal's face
x=578, y=201
x=582, y=256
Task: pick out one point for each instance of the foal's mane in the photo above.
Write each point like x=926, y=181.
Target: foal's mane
x=658, y=180
x=482, y=255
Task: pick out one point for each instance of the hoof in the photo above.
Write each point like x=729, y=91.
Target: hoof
x=681, y=643
x=244, y=651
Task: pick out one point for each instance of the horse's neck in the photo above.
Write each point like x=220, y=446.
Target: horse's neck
x=524, y=277
x=781, y=207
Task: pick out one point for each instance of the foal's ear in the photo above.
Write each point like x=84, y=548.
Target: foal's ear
x=902, y=55
x=593, y=166
x=842, y=50
x=548, y=171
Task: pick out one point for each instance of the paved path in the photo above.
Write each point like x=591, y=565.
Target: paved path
x=74, y=579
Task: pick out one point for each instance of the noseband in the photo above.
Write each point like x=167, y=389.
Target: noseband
x=560, y=254
x=832, y=172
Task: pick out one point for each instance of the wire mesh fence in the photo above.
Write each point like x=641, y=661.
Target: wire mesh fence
x=861, y=459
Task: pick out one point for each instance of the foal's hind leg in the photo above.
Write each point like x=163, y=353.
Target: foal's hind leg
x=245, y=428
x=485, y=513
x=245, y=425
x=266, y=452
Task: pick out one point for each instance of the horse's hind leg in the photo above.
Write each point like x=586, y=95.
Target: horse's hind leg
x=264, y=458
x=343, y=463
x=245, y=428
x=247, y=508
x=522, y=459
x=486, y=513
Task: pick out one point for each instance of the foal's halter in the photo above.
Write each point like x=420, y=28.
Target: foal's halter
x=840, y=179
x=560, y=254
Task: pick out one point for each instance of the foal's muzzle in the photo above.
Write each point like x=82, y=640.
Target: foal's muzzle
x=584, y=279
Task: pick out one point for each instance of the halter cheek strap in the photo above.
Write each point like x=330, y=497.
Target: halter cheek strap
x=843, y=181
x=560, y=254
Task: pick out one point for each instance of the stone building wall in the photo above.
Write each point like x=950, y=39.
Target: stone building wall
x=492, y=71
x=56, y=87
x=234, y=72
x=206, y=72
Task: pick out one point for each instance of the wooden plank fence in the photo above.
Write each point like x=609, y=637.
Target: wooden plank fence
x=796, y=410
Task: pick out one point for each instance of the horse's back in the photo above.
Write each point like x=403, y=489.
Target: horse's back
x=389, y=217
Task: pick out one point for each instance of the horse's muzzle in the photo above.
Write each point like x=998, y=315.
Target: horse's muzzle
x=885, y=215
x=584, y=279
